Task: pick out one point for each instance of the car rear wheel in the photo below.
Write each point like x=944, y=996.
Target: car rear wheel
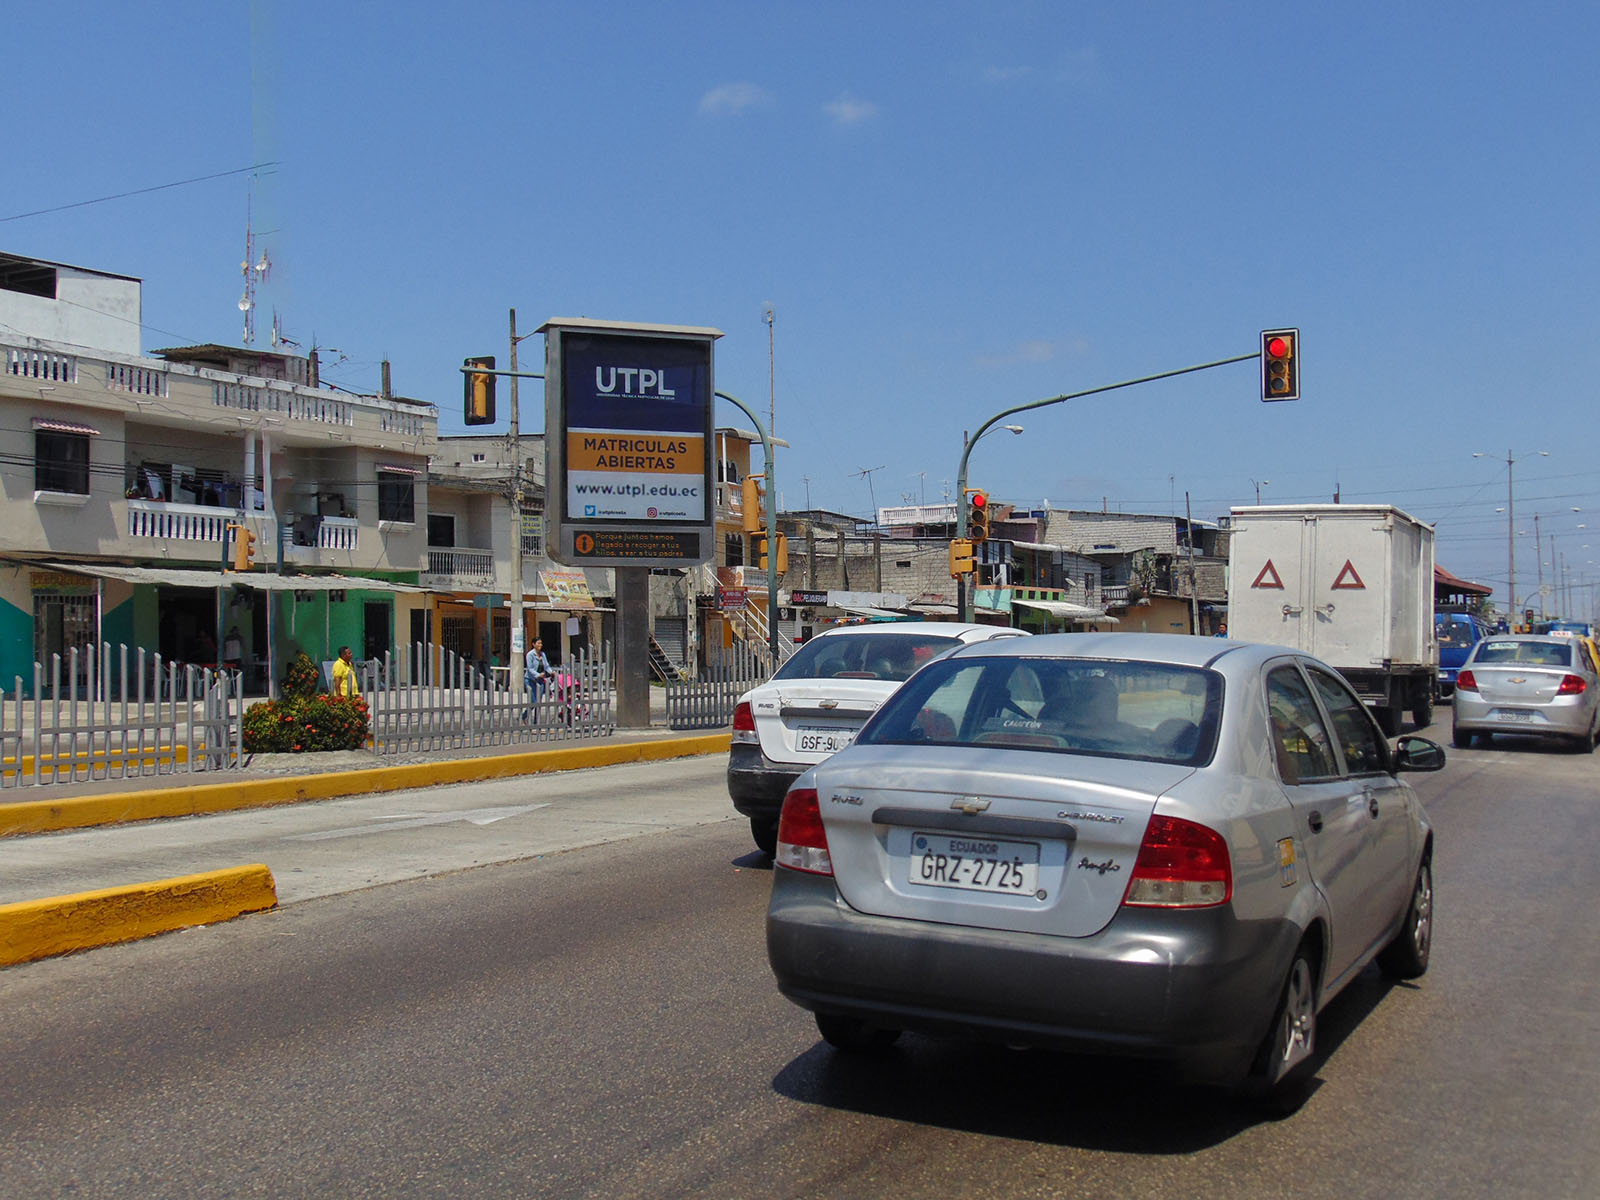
x=854, y=1036
x=765, y=832
x=1406, y=957
x=1460, y=738
x=1280, y=1078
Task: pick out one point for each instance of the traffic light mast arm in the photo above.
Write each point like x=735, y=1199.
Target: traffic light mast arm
x=966, y=450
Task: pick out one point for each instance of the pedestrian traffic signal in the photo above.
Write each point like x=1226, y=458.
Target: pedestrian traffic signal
x=977, y=514
x=478, y=391
x=1280, y=364
x=244, y=548
x=754, y=518
x=961, y=562
x=759, y=544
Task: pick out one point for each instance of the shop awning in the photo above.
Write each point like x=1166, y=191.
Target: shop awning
x=1068, y=611
x=877, y=614
x=260, y=580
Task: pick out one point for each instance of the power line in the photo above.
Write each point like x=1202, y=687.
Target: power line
x=138, y=192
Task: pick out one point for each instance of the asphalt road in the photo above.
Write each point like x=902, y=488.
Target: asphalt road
x=601, y=1022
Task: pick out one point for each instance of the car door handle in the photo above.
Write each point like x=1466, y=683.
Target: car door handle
x=1314, y=819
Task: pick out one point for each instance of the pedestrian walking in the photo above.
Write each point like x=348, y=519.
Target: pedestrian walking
x=536, y=672
x=344, y=675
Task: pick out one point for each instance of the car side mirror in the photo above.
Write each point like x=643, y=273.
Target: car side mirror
x=1418, y=754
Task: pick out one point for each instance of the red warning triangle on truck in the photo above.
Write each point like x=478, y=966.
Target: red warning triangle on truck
x=1348, y=580
x=1268, y=577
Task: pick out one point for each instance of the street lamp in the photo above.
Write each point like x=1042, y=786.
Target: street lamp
x=1511, y=525
x=1260, y=483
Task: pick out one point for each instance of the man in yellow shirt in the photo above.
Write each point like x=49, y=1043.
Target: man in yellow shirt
x=344, y=675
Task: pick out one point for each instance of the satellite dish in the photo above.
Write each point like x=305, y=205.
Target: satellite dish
x=246, y=304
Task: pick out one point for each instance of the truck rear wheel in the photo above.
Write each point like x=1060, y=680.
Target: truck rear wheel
x=1422, y=708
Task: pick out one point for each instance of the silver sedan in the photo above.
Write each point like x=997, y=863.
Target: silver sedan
x=1527, y=684
x=1134, y=844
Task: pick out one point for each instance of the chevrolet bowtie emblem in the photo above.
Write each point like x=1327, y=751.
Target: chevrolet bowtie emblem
x=1519, y=679
x=827, y=704
x=971, y=805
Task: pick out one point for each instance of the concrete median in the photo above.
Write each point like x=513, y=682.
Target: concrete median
x=34, y=929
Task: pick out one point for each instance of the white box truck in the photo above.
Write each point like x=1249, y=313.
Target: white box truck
x=1349, y=583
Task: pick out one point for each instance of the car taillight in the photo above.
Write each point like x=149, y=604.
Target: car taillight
x=802, y=842
x=1572, y=685
x=744, y=723
x=1180, y=865
x=1465, y=682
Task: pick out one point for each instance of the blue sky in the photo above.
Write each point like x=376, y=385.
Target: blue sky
x=952, y=208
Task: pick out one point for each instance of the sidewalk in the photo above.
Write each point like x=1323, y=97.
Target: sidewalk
x=36, y=929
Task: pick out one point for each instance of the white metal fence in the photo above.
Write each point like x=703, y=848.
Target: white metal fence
x=708, y=702
x=117, y=713
x=121, y=713
x=426, y=698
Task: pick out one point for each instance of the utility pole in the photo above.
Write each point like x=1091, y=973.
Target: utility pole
x=517, y=648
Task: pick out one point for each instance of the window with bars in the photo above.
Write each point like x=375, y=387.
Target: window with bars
x=397, y=496
x=60, y=462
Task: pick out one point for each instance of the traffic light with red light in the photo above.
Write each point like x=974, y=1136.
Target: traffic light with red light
x=977, y=514
x=478, y=391
x=1280, y=364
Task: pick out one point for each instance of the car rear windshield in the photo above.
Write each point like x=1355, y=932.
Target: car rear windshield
x=1454, y=633
x=1540, y=654
x=864, y=656
x=1139, y=710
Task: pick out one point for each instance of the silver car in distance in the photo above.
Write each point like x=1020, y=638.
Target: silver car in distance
x=1147, y=845
x=1527, y=684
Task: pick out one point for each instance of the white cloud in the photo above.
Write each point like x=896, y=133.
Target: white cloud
x=847, y=110
x=731, y=99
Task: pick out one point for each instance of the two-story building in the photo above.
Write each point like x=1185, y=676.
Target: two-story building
x=127, y=480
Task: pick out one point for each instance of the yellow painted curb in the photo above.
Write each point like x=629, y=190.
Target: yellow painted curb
x=32, y=929
x=81, y=812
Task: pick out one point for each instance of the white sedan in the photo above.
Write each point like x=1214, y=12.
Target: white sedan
x=817, y=701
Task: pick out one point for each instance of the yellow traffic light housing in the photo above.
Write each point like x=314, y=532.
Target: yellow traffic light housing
x=478, y=391
x=1280, y=364
x=759, y=544
x=244, y=548
x=977, y=514
x=961, y=561
x=754, y=519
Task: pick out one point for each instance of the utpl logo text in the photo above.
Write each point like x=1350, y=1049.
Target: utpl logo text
x=648, y=381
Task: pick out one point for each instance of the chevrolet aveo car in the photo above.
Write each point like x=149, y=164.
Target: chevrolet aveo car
x=1530, y=684
x=1146, y=845
x=817, y=701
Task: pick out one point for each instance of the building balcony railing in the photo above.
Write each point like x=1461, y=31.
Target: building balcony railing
x=179, y=522
x=309, y=535
x=458, y=567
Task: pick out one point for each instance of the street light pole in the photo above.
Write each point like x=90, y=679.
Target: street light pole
x=1511, y=529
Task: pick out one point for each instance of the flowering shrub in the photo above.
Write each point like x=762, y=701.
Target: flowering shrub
x=317, y=722
x=303, y=679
